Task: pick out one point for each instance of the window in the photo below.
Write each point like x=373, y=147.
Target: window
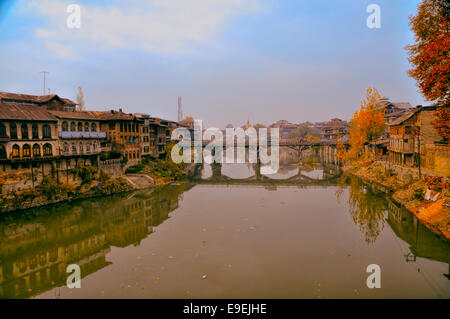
x=2, y=129
x=46, y=131
x=15, y=150
x=72, y=127
x=66, y=147
x=74, y=148
x=88, y=148
x=81, y=148
x=36, y=150
x=86, y=127
x=24, y=129
x=47, y=149
x=65, y=126
x=80, y=127
x=94, y=146
x=26, y=150
x=34, y=131
x=112, y=127
x=94, y=127
x=121, y=127
x=13, y=130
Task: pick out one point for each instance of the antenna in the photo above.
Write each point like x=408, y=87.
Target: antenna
x=180, y=110
x=44, y=73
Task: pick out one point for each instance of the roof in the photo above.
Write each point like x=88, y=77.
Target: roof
x=16, y=111
x=115, y=115
x=402, y=118
x=39, y=99
x=79, y=115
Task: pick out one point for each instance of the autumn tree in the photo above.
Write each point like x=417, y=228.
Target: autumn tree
x=368, y=124
x=430, y=57
x=80, y=99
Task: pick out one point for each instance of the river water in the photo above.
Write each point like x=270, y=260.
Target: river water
x=303, y=233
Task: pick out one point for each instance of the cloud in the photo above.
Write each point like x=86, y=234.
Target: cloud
x=173, y=26
x=61, y=50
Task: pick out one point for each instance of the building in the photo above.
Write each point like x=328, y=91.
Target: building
x=393, y=110
x=28, y=142
x=144, y=134
x=159, y=136
x=285, y=128
x=333, y=129
x=414, y=142
x=80, y=138
x=49, y=102
x=123, y=130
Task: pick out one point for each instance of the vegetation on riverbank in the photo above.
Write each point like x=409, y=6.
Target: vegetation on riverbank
x=49, y=191
x=162, y=171
x=427, y=198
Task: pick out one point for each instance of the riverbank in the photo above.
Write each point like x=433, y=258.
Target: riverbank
x=427, y=198
x=87, y=184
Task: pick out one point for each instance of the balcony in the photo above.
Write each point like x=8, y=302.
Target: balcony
x=82, y=135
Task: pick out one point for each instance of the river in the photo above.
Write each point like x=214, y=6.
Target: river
x=303, y=233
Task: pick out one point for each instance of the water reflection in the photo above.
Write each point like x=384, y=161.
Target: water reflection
x=37, y=245
x=367, y=206
x=247, y=226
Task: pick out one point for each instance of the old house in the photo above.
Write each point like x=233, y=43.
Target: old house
x=80, y=139
x=123, y=131
x=333, y=129
x=49, y=102
x=159, y=136
x=414, y=142
x=28, y=142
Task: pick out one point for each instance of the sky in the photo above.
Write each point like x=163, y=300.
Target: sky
x=230, y=60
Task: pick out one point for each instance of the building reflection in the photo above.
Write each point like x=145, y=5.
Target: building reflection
x=422, y=242
x=37, y=245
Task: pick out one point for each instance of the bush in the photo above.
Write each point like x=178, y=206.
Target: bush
x=52, y=189
x=86, y=173
x=134, y=169
x=418, y=194
x=113, y=154
x=103, y=177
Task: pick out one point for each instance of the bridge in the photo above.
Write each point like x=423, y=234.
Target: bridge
x=331, y=174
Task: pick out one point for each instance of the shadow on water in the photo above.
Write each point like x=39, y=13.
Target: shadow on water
x=37, y=245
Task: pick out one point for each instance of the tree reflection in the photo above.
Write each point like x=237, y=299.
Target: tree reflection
x=367, y=208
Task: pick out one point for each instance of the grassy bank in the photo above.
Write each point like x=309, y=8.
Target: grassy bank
x=49, y=191
x=427, y=198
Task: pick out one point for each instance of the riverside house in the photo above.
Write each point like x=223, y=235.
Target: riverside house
x=414, y=142
x=123, y=131
x=80, y=139
x=28, y=143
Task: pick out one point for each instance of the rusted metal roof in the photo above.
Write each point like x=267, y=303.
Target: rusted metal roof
x=78, y=115
x=17, y=111
x=27, y=98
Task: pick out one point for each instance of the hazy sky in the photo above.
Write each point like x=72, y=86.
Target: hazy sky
x=299, y=60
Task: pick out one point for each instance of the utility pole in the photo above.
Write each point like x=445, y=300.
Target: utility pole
x=418, y=144
x=180, y=110
x=44, y=73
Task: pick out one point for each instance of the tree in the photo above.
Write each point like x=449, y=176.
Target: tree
x=80, y=99
x=430, y=55
x=368, y=124
x=304, y=130
x=442, y=123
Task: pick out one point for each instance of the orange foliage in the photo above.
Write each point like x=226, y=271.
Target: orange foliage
x=367, y=124
x=430, y=53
